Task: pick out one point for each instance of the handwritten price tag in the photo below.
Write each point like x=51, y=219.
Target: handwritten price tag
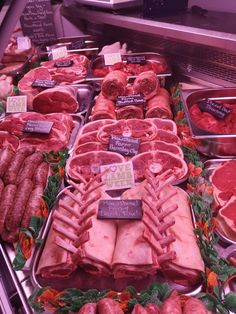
x=59, y=52
x=23, y=43
x=118, y=176
x=112, y=58
x=16, y=104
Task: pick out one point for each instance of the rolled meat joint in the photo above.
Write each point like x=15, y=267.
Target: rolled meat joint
x=129, y=112
x=109, y=306
x=6, y=156
x=89, y=308
x=7, y=200
x=11, y=174
x=114, y=84
x=57, y=99
x=147, y=84
x=159, y=106
x=103, y=109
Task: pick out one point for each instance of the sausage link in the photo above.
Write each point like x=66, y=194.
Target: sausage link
x=41, y=175
x=6, y=204
x=32, y=206
x=6, y=156
x=29, y=167
x=14, y=217
x=13, y=170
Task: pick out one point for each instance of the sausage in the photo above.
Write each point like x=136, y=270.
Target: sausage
x=10, y=237
x=6, y=204
x=13, y=170
x=171, y=305
x=41, y=174
x=32, y=206
x=14, y=216
x=109, y=306
x=29, y=167
x=89, y=308
x=1, y=188
x=6, y=156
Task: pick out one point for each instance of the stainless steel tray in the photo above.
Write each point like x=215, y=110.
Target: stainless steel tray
x=211, y=165
x=150, y=56
x=78, y=120
x=81, y=280
x=210, y=144
x=85, y=94
x=89, y=48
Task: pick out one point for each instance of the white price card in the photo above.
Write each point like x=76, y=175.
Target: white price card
x=118, y=176
x=23, y=43
x=59, y=52
x=112, y=58
x=16, y=104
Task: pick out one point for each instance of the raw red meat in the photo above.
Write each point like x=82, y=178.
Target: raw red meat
x=158, y=163
x=164, y=124
x=85, y=138
x=89, y=147
x=142, y=129
x=223, y=180
x=8, y=139
x=88, y=164
x=114, y=84
x=109, y=306
x=195, y=306
x=25, y=83
x=57, y=99
x=94, y=126
x=226, y=219
x=160, y=145
x=172, y=305
x=147, y=84
x=129, y=112
x=76, y=58
x=103, y=109
x=89, y=308
x=159, y=105
x=68, y=75
x=167, y=137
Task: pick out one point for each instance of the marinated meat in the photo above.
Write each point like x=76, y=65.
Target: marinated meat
x=57, y=99
x=147, y=84
x=114, y=84
x=160, y=145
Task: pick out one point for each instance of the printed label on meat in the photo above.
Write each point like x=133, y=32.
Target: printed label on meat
x=131, y=100
x=16, y=104
x=78, y=44
x=63, y=64
x=112, y=58
x=59, y=52
x=44, y=83
x=38, y=126
x=136, y=59
x=127, y=146
x=217, y=110
x=118, y=176
x=23, y=42
x=120, y=209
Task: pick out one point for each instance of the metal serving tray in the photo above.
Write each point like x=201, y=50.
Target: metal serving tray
x=211, y=165
x=150, y=56
x=85, y=93
x=81, y=280
x=210, y=144
x=89, y=48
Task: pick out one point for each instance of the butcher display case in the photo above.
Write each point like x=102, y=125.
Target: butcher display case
x=202, y=55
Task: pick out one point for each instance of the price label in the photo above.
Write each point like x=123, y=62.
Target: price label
x=59, y=52
x=23, y=43
x=112, y=58
x=78, y=44
x=137, y=59
x=130, y=100
x=44, y=83
x=16, y=104
x=217, y=110
x=127, y=146
x=120, y=209
x=118, y=176
x=63, y=64
x=38, y=126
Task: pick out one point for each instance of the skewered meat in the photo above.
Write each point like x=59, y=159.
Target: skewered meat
x=103, y=109
x=114, y=84
x=147, y=84
x=159, y=105
x=57, y=99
